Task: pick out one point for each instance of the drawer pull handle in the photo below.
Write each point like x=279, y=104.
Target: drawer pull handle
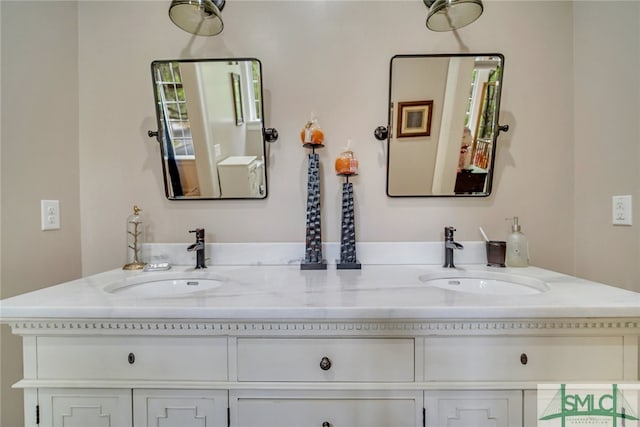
x=326, y=424
x=131, y=358
x=325, y=365
x=524, y=359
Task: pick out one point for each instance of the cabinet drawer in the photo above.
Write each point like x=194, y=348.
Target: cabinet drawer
x=523, y=358
x=300, y=409
x=325, y=359
x=143, y=358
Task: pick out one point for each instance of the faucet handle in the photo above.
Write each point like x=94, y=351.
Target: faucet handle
x=448, y=232
x=199, y=233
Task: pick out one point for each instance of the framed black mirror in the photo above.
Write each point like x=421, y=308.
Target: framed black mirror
x=443, y=124
x=211, y=128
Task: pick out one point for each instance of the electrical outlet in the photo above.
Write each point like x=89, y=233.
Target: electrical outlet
x=621, y=214
x=49, y=215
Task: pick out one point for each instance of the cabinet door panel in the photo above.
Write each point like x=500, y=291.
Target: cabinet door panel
x=364, y=409
x=180, y=408
x=530, y=408
x=473, y=408
x=85, y=407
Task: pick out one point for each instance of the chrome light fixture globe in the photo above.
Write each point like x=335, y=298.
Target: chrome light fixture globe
x=199, y=17
x=448, y=15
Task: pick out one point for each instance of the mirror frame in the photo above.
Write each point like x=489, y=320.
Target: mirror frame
x=380, y=132
x=268, y=135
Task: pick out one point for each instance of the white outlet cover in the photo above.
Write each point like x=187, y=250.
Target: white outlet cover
x=49, y=215
x=621, y=210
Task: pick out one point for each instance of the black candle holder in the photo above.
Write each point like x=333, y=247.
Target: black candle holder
x=313, y=259
x=348, y=260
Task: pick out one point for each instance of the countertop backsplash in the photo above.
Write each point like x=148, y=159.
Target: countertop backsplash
x=372, y=253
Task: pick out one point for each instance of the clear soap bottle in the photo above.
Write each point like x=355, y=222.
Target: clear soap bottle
x=517, y=247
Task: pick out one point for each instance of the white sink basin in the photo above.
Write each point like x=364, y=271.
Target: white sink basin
x=485, y=282
x=163, y=287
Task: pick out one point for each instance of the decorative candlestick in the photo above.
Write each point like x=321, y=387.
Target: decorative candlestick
x=348, y=260
x=313, y=251
x=346, y=166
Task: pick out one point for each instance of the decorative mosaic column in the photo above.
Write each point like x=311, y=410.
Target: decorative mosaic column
x=348, y=259
x=313, y=250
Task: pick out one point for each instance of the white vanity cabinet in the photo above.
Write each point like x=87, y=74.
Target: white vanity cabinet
x=323, y=373
x=274, y=346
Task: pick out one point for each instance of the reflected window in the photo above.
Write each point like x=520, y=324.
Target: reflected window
x=173, y=104
x=481, y=106
x=253, y=90
x=471, y=99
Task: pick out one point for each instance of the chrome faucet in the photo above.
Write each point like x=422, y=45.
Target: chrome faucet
x=198, y=246
x=449, y=246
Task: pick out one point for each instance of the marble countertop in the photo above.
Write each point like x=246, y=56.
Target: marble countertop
x=284, y=292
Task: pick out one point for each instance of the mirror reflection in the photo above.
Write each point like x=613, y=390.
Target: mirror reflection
x=210, y=128
x=443, y=124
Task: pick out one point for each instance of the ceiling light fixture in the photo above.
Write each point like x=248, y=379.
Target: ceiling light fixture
x=448, y=15
x=199, y=17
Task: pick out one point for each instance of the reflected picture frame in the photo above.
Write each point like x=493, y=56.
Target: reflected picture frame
x=237, y=98
x=414, y=119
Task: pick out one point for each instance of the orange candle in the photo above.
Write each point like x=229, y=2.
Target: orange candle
x=346, y=163
x=311, y=133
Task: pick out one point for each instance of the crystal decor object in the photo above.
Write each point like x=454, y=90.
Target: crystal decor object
x=135, y=239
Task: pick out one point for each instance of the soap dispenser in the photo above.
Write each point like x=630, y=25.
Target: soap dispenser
x=517, y=246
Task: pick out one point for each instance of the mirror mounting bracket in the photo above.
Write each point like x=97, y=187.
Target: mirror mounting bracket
x=381, y=133
x=503, y=128
x=270, y=134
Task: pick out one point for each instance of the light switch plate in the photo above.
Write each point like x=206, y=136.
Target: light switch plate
x=49, y=215
x=621, y=210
